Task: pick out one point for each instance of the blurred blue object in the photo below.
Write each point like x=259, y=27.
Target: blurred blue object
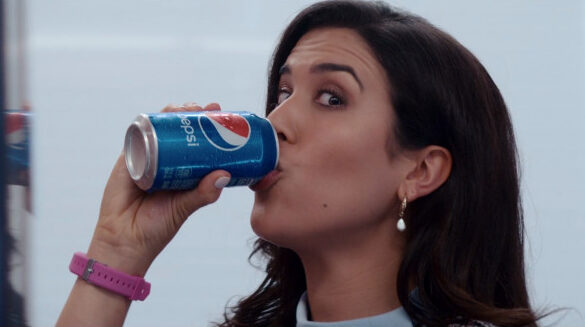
x=17, y=137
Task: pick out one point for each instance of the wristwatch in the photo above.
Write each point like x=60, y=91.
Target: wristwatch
x=99, y=274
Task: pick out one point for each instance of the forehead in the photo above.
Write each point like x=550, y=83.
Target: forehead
x=336, y=45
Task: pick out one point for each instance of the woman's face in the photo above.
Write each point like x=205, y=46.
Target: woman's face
x=336, y=179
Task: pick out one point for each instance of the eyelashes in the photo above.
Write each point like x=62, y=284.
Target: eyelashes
x=330, y=98
x=327, y=97
x=283, y=94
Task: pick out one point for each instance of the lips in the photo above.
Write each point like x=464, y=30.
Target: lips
x=266, y=182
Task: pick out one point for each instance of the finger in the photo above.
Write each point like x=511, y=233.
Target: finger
x=192, y=106
x=207, y=192
x=120, y=190
x=171, y=107
x=214, y=106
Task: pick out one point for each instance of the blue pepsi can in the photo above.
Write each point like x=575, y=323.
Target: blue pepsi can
x=173, y=151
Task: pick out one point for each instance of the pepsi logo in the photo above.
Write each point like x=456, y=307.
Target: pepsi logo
x=226, y=131
x=16, y=135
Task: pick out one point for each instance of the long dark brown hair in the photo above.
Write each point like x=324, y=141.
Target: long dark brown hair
x=464, y=242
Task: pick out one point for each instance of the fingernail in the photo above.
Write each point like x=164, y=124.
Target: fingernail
x=222, y=182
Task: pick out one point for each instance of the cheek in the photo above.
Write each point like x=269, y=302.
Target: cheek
x=355, y=161
x=353, y=177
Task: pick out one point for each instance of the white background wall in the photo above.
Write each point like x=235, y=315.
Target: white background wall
x=94, y=65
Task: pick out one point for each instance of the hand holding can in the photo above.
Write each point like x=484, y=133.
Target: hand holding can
x=134, y=226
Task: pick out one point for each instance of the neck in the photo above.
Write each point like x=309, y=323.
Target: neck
x=355, y=277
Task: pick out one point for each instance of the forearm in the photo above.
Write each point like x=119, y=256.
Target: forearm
x=89, y=305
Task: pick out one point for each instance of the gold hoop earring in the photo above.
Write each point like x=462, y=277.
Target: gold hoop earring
x=401, y=225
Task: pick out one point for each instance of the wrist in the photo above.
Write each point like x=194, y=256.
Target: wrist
x=123, y=259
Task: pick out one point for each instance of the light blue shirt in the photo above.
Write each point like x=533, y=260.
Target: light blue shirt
x=394, y=318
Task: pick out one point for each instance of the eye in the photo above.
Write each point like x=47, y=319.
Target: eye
x=330, y=98
x=283, y=94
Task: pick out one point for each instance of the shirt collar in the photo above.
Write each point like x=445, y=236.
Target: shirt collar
x=395, y=318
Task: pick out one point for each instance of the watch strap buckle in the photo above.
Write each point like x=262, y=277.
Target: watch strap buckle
x=88, y=270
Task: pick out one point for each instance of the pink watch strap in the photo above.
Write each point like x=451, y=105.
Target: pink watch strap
x=132, y=287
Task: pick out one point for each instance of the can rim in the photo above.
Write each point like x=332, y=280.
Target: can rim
x=276, y=142
x=141, y=164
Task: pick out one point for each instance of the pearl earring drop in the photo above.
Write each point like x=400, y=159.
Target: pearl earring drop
x=401, y=225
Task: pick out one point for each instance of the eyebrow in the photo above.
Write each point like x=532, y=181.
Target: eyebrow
x=327, y=67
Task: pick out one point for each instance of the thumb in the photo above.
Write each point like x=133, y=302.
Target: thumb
x=207, y=192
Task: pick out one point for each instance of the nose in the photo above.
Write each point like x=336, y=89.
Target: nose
x=284, y=120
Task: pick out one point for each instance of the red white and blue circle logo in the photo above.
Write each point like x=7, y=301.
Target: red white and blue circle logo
x=226, y=131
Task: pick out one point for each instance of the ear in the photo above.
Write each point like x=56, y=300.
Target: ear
x=432, y=168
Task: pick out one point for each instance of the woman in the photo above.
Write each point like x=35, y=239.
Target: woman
x=396, y=199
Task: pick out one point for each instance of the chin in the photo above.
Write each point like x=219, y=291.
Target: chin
x=271, y=228
x=263, y=227
x=259, y=220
